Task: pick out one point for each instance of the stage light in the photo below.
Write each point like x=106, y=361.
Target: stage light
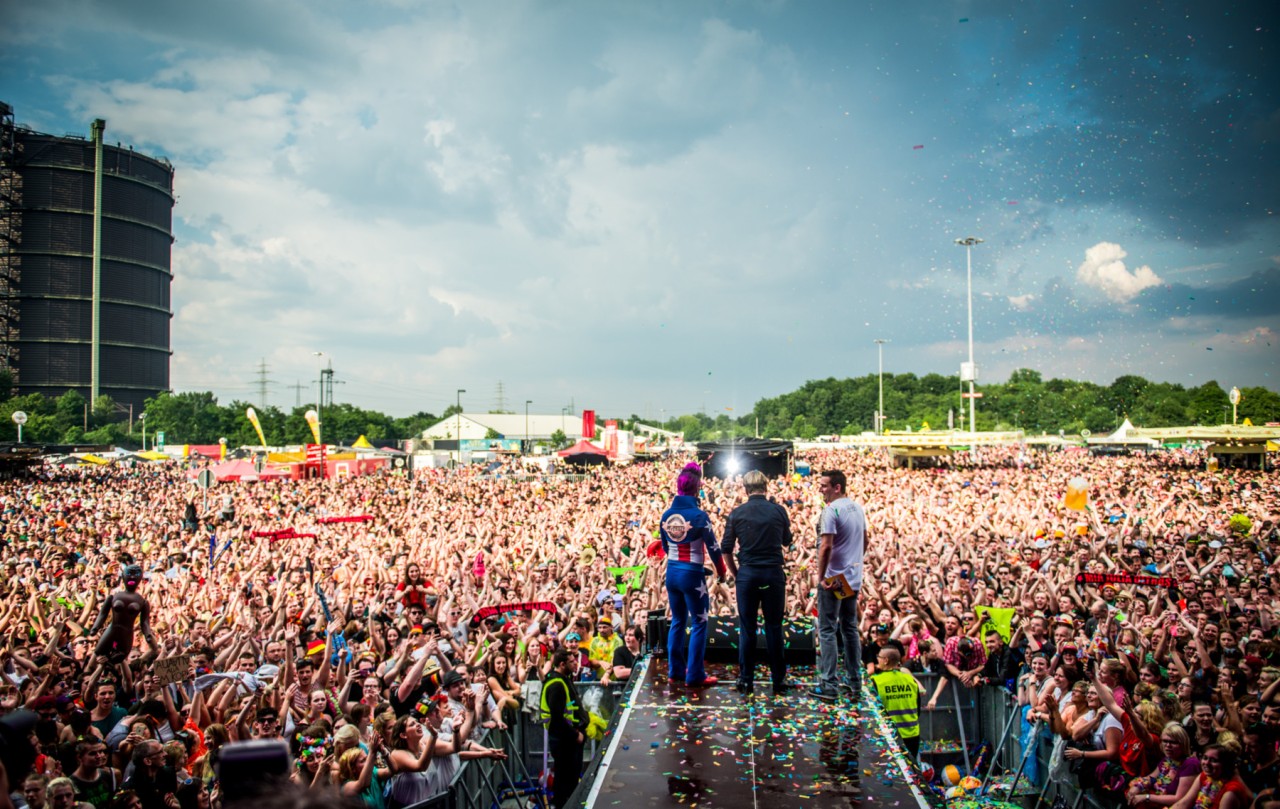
x=732, y=465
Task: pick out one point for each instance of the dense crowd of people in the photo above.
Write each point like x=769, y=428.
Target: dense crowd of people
x=349, y=616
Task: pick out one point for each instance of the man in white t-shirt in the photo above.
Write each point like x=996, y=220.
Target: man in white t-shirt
x=842, y=541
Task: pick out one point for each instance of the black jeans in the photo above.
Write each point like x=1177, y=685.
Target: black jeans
x=761, y=587
x=566, y=753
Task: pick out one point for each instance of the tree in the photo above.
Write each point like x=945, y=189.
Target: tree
x=558, y=439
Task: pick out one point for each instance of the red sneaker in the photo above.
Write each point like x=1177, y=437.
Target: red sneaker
x=705, y=681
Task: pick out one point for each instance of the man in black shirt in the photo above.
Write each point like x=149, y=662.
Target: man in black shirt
x=758, y=530
x=1003, y=662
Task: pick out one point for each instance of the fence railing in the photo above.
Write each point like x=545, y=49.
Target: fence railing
x=486, y=783
x=965, y=720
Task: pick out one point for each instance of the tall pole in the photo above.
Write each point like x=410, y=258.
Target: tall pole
x=95, y=349
x=458, y=418
x=143, y=418
x=969, y=242
x=880, y=410
x=527, y=402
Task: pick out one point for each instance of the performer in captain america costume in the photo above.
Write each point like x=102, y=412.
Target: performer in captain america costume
x=687, y=541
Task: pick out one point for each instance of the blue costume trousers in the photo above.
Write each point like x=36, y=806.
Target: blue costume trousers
x=687, y=591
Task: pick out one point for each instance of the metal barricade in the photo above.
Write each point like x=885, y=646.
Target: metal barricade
x=964, y=719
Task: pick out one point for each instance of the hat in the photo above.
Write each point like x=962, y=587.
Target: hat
x=451, y=678
x=882, y=629
x=604, y=623
x=1069, y=648
x=573, y=636
x=1041, y=544
x=1215, y=544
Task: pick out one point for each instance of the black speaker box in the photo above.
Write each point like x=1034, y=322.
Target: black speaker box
x=722, y=639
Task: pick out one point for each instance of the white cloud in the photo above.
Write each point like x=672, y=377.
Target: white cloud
x=1103, y=269
x=1021, y=302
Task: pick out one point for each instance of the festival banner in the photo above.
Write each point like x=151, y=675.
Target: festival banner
x=1124, y=578
x=252, y=416
x=349, y=518
x=514, y=606
x=283, y=533
x=313, y=421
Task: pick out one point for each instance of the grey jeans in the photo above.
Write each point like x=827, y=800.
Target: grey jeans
x=838, y=616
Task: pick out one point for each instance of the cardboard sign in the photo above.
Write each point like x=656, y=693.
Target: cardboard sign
x=174, y=669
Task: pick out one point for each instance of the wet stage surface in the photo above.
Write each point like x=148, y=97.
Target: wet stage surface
x=711, y=747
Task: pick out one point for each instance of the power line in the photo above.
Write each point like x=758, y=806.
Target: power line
x=298, y=387
x=502, y=400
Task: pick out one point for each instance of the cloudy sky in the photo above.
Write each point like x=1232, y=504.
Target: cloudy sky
x=669, y=206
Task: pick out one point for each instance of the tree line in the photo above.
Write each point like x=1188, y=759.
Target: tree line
x=819, y=407
x=1025, y=402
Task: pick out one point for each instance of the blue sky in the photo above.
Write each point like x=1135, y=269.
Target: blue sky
x=670, y=206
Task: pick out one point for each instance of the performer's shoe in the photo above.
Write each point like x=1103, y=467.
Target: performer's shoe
x=744, y=686
x=817, y=692
x=704, y=681
x=781, y=690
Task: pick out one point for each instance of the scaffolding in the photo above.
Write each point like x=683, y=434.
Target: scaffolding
x=10, y=230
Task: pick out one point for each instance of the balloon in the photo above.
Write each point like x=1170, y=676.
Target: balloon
x=951, y=774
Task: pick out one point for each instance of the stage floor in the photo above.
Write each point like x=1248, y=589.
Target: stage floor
x=714, y=747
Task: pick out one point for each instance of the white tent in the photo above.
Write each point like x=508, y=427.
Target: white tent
x=1123, y=437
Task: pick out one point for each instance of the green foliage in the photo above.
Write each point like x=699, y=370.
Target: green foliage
x=1026, y=401
x=559, y=440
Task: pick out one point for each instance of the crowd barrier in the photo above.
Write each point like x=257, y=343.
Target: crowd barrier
x=521, y=779
x=966, y=721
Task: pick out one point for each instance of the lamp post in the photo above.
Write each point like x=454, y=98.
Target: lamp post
x=527, y=402
x=880, y=410
x=319, y=400
x=457, y=403
x=970, y=370
x=143, y=418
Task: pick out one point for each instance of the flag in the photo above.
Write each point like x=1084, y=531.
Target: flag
x=998, y=618
x=628, y=578
x=252, y=415
x=315, y=647
x=313, y=421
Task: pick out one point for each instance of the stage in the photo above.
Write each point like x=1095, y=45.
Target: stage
x=710, y=747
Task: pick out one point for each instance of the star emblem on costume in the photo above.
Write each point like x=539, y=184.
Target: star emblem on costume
x=702, y=588
x=702, y=619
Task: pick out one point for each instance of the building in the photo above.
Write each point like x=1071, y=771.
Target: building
x=479, y=426
x=85, y=239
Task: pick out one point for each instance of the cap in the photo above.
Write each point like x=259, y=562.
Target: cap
x=451, y=678
x=573, y=636
x=882, y=629
x=1069, y=648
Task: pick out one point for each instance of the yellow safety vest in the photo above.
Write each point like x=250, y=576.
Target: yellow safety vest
x=900, y=694
x=570, y=707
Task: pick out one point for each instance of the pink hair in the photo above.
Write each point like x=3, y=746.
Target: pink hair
x=690, y=480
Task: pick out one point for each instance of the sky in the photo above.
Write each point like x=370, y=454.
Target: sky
x=666, y=207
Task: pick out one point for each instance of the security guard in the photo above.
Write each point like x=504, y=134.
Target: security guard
x=566, y=720
x=900, y=695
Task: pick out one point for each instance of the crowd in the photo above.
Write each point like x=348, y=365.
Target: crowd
x=338, y=614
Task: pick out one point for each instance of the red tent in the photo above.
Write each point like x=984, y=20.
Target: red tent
x=583, y=447
x=241, y=469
